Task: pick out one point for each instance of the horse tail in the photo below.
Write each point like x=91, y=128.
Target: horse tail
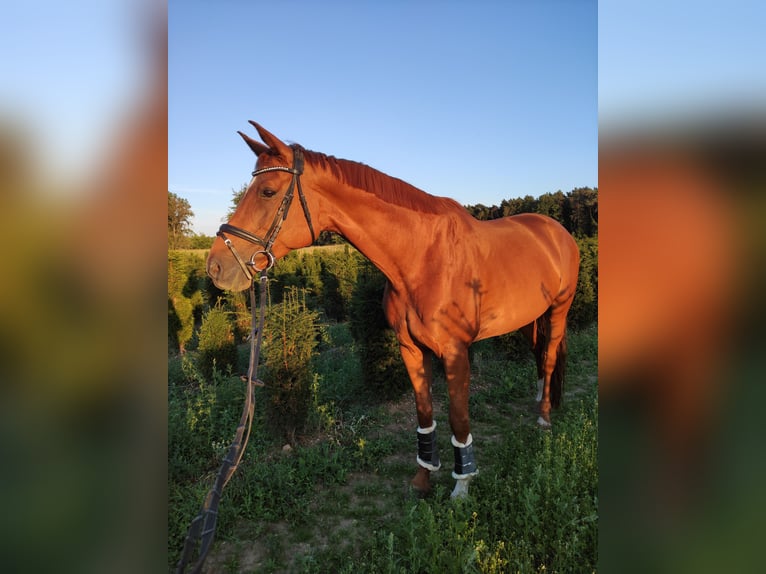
x=541, y=339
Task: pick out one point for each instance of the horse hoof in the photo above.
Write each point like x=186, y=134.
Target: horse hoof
x=416, y=494
x=458, y=494
x=542, y=423
x=461, y=488
x=421, y=483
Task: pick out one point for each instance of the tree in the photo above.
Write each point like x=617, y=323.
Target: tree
x=339, y=277
x=179, y=220
x=200, y=241
x=289, y=343
x=585, y=305
x=236, y=197
x=577, y=210
x=551, y=204
x=584, y=214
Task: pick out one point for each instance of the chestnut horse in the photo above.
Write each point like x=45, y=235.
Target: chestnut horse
x=452, y=280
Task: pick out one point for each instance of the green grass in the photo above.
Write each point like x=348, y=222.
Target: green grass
x=339, y=500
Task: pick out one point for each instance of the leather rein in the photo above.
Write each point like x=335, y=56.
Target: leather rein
x=202, y=528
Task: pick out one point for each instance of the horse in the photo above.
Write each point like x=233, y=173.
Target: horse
x=451, y=280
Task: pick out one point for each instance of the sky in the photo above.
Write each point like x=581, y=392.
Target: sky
x=68, y=70
x=478, y=101
x=661, y=62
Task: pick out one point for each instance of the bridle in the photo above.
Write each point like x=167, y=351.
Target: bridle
x=279, y=217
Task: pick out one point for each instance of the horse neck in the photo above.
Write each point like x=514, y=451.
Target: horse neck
x=383, y=225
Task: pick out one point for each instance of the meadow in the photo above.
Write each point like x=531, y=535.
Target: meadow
x=337, y=498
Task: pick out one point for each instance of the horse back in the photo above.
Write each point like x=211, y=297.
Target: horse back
x=532, y=235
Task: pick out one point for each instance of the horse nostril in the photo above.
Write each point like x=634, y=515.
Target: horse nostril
x=213, y=269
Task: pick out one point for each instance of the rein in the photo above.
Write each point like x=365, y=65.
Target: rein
x=202, y=528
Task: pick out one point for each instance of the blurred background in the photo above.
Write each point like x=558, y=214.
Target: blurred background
x=83, y=173
x=682, y=143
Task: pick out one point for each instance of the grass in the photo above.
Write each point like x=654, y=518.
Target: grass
x=339, y=500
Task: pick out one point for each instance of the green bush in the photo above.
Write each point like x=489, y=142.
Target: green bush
x=217, y=347
x=301, y=269
x=513, y=346
x=238, y=304
x=382, y=366
x=584, y=309
x=202, y=417
x=289, y=341
x=186, y=283
x=339, y=275
x=286, y=274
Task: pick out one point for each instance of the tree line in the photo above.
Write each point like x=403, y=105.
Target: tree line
x=576, y=210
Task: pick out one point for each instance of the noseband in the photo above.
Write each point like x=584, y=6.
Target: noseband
x=279, y=217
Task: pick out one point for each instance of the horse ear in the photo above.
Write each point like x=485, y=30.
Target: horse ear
x=273, y=141
x=257, y=147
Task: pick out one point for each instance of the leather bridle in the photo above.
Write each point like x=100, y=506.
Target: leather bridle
x=279, y=217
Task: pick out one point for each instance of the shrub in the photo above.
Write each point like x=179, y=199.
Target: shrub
x=287, y=273
x=584, y=309
x=382, y=367
x=217, y=348
x=513, y=346
x=238, y=304
x=339, y=275
x=289, y=341
x=186, y=282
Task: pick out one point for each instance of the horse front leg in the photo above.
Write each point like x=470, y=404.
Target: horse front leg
x=418, y=363
x=458, y=374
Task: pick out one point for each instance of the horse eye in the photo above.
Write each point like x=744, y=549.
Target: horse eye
x=268, y=193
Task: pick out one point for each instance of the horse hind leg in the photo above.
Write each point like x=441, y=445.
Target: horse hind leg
x=530, y=332
x=551, y=331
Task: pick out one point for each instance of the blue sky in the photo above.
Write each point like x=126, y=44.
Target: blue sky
x=661, y=62
x=69, y=71
x=478, y=101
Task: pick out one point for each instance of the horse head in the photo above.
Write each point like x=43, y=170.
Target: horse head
x=266, y=224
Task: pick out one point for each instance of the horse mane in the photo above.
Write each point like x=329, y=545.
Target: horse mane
x=389, y=189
